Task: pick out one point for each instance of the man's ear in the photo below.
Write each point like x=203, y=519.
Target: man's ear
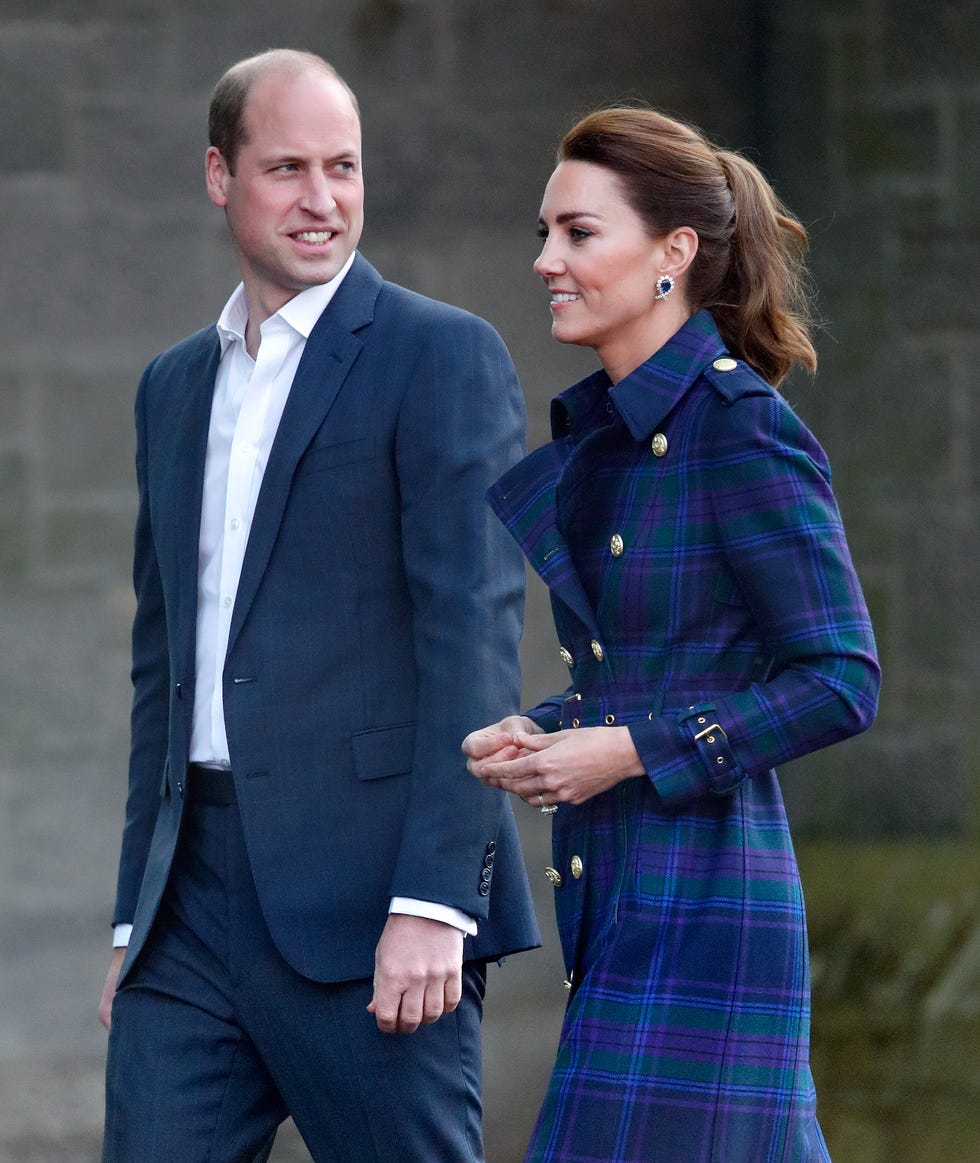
x=216, y=176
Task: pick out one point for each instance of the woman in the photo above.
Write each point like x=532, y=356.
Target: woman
x=707, y=607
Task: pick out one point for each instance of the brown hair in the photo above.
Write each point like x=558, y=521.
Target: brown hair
x=748, y=271
x=226, y=113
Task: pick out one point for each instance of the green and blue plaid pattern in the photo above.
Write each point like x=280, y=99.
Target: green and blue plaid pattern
x=701, y=585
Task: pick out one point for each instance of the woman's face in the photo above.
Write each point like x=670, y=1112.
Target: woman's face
x=600, y=265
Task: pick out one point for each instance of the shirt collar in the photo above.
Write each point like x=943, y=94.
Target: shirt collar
x=647, y=394
x=301, y=312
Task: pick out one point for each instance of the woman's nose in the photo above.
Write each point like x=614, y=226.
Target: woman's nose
x=548, y=263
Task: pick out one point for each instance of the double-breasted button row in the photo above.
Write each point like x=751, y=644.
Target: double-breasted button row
x=486, y=874
x=575, y=866
x=569, y=660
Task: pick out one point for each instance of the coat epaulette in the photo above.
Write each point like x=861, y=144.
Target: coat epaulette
x=732, y=379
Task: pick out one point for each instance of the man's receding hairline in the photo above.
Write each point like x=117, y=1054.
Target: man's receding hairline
x=284, y=62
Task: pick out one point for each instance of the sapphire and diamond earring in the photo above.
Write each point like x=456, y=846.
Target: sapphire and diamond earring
x=664, y=285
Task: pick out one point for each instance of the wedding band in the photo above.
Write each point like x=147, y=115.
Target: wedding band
x=548, y=809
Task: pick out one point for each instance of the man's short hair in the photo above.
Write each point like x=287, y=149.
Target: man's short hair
x=226, y=114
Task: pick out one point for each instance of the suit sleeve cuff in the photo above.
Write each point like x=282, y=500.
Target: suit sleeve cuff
x=434, y=912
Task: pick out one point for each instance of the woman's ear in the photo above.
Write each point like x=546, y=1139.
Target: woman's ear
x=679, y=248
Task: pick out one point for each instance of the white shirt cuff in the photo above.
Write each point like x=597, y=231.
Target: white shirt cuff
x=434, y=912
x=121, y=935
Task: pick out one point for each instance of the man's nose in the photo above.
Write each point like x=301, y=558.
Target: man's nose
x=317, y=196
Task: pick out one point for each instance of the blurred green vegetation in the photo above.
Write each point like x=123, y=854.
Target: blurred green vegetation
x=895, y=943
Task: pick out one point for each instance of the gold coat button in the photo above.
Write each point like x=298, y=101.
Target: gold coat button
x=553, y=876
x=616, y=545
x=659, y=444
x=725, y=364
x=577, y=867
x=566, y=656
x=597, y=650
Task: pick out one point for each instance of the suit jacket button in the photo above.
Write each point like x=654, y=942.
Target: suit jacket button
x=659, y=444
x=616, y=545
x=485, y=875
x=484, y=888
x=577, y=867
x=566, y=656
x=553, y=876
x=597, y=650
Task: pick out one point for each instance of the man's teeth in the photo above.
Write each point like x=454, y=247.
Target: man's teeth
x=315, y=235
x=564, y=297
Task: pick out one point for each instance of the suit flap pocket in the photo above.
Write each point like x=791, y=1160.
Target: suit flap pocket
x=384, y=751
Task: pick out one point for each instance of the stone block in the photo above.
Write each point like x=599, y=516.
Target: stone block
x=77, y=458
x=36, y=67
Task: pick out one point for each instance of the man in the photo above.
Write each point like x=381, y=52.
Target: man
x=325, y=607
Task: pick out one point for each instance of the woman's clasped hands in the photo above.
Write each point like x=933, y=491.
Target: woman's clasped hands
x=547, y=768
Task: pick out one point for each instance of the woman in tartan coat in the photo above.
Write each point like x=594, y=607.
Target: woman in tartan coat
x=708, y=610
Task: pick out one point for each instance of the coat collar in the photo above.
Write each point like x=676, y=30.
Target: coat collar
x=649, y=393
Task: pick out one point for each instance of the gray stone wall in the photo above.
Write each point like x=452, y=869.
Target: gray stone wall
x=864, y=114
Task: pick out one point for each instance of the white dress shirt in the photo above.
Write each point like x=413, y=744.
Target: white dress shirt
x=249, y=398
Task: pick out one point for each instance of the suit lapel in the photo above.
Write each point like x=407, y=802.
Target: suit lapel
x=197, y=391
x=328, y=357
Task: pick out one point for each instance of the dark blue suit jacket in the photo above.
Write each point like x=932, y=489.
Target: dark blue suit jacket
x=376, y=623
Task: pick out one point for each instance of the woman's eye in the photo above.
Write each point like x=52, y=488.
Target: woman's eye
x=542, y=232
x=578, y=234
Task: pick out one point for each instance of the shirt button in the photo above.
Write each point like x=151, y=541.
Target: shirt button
x=235, y=524
x=227, y=603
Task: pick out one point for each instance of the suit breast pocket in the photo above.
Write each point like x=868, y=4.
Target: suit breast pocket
x=322, y=457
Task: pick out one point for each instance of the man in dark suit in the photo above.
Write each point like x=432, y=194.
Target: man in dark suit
x=325, y=608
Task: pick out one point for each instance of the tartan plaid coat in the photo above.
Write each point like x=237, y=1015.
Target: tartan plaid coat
x=704, y=596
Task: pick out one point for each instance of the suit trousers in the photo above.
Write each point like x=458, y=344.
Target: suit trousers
x=215, y=1039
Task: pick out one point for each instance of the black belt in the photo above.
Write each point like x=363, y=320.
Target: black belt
x=209, y=785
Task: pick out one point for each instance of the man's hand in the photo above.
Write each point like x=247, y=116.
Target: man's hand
x=418, y=973
x=497, y=741
x=109, y=989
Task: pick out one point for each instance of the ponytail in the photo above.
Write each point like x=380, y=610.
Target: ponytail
x=761, y=307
